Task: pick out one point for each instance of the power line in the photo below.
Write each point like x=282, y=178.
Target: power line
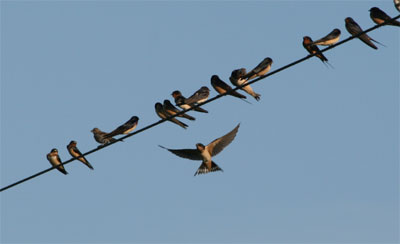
x=198, y=105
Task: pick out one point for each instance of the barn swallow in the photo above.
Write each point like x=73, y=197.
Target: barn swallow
x=378, y=16
x=237, y=79
x=171, y=110
x=260, y=70
x=101, y=137
x=74, y=151
x=55, y=160
x=180, y=101
x=163, y=114
x=353, y=28
x=205, y=153
x=397, y=4
x=126, y=128
x=199, y=96
x=221, y=87
x=329, y=39
x=312, y=49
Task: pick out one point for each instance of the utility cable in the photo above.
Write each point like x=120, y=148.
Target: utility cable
x=201, y=104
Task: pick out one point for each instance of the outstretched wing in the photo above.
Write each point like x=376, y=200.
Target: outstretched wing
x=219, y=144
x=192, y=154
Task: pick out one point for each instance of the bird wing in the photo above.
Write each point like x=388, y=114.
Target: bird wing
x=219, y=144
x=192, y=154
x=196, y=97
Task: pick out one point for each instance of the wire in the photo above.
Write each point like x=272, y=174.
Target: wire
x=198, y=105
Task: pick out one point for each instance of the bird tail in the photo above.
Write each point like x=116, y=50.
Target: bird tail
x=378, y=42
x=62, y=169
x=368, y=41
x=187, y=116
x=201, y=110
x=257, y=96
x=111, y=134
x=249, y=76
x=203, y=169
x=181, y=124
x=237, y=94
x=89, y=165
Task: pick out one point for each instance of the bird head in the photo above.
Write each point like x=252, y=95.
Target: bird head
x=307, y=39
x=348, y=20
x=176, y=94
x=200, y=147
x=214, y=77
x=373, y=9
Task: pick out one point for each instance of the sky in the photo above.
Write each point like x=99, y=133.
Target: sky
x=315, y=160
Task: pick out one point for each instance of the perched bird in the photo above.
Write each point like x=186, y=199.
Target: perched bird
x=180, y=101
x=101, y=137
x=55, y=160
x=163, y=114
x=171, y=110
x=397, y=4
x=312, y=49
x=199, y=96
x=74, y=151
x=205, y=153
x=260, y=70
x=353, y=28
x=126, y=128
x=329, y=39
x=378, y=16
x=221, y=87
x=237, y=79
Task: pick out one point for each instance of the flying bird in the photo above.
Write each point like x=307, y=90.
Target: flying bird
x=205, y=153
x=74, y=151
x=237, y=79
x=180, y=101
x=260, y=70
x=313, y=49
x=397, y=4
x=126, y=128
x=378, y=16
x=221, y=87
x=55, y=160
x=172, y=110
x=101, y=137
x=199, y=96
x=354, y=29
x=329, y=39
x=163, y=114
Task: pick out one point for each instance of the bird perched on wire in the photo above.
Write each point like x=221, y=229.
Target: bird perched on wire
x=378, y=16
x=172, y=110
x=199, y=96
x=260, y=70
x=221, y=87
x=313, y=49
x=180, y=101
x=74, y=151
x=55, y=160
x=126, y=128
x=354, y=29
x=164, y=115
x=237, y=79
x=102, y=137
x=205, y=153
x=329, y=39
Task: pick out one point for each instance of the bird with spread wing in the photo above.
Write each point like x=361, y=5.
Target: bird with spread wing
x=204, y=153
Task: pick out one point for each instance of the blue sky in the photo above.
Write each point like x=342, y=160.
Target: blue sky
x=315, y=160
